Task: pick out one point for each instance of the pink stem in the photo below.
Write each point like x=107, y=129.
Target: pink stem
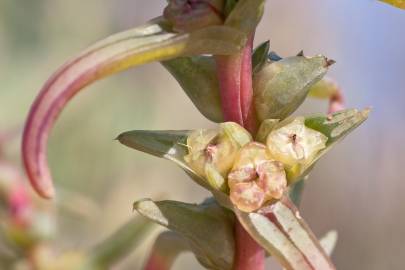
x=235, y=77
x=229, y=70
x=249, y=254
x=157, y=262
x=246, y=88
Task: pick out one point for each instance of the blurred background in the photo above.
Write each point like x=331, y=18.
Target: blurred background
x=357, y=189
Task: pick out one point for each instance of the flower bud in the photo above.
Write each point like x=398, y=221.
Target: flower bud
x=212, y=152
x=295, y=143
x=189, y=15
x=255, y=178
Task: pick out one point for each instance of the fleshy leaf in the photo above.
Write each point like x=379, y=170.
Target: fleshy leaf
x=260, y=56
x=197, y=76
x=396, y=3
x=208, y=228
x=114, y=54
x=171, y=145
x=282, y=232
x=119, y=244
x=335, y=126
x=168, y=144
x=167, y=247
x=281, y=87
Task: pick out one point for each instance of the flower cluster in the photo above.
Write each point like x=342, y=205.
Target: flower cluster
x=253, y=173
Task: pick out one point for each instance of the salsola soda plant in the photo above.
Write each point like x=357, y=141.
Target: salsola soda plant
x=254, y=163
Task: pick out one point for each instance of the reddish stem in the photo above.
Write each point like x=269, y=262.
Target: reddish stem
x=246, y=88
x=249, y=254
x=235, y=77
x=229, y=70
x=157, y=262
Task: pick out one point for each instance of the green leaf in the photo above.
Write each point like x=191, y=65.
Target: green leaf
x=282, y=232
x=171, y=145
x=168, y=144
x=119, y=244
x=395, y=3
x=260, y=56
x=208, y=228
x=197, y=76
x=246, y=15
x=281, y=87
x=335, y=127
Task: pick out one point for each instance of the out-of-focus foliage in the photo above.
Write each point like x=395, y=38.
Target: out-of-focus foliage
x=396, y=3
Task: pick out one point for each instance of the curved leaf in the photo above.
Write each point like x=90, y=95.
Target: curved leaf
x=208, y=228
x=114, y=54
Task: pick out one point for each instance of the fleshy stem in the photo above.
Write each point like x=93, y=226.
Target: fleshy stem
x=235, y=77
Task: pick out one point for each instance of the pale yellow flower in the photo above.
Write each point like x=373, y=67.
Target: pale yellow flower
x=255, y=178
x=295, y=143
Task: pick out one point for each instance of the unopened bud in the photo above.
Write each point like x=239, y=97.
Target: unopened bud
x=295, y=143
x=189, y=15
x=255, y=178
x=212, y=152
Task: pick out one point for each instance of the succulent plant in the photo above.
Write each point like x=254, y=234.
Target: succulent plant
x=253, y=163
